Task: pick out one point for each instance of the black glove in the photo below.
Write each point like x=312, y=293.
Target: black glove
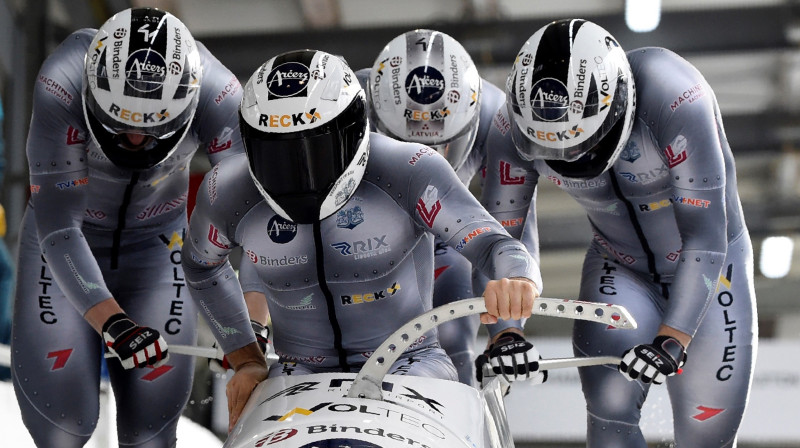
x=513, y=357
x=653, y=362
x=135, y=346
x=262, y=339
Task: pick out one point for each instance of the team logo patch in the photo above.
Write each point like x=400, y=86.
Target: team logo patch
x=145, y=70
x=676, y=152
x=425, y=85
x=288, y=79
x=631, y=152
x=281, y=230
x=428, y=206
x=506, y=178
x=348, y=219
x=549, y=100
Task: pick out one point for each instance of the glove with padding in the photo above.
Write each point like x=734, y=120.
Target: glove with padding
x=653, y=362
x=262, y=339
x=133, y=345
x=513, y=357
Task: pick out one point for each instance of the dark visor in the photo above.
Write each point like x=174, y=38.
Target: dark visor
x=306, y=162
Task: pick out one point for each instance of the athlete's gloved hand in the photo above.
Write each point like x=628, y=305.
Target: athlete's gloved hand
x=262, y=339
x=653, y=362
x=513, y=357
x=134, y=345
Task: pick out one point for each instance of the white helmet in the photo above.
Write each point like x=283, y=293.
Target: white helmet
x=571, y=96
x=142, y=75
x=424, y=88
x=305, y=131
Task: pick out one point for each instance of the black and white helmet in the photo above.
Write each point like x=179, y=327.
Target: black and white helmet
x=571, y=97
x=142, y=75
x=424, y=88
x=305, y=131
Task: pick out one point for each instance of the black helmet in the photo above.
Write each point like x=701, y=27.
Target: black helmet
x=571, y=97
x=304, y=125
x=142, y=75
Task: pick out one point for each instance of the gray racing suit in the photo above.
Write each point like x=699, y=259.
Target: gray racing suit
x=452, y=272
x=93, y=231
x=339, y=287
x=670, y=244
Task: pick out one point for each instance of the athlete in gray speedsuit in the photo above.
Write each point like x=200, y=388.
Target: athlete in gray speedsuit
x=637, y=139
x=109, y=149
x=339, y=224
x=424, y=88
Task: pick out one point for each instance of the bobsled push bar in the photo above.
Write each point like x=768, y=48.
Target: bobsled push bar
x=368, y=381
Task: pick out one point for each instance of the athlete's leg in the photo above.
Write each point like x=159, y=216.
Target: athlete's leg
x=55, y=355
x=613, y=403
x=430, y=362
x=710, y=396
x=150, y=287
x=453, y=281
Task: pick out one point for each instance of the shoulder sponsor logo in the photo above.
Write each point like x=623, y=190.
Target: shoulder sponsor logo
x=216, y=145
x=368, y=297
x=512, y=222
x=281, y=230
x=350, y=218
x=360, y=249
x=230, y=88
x=506, y=176
x=421, y=152
x=72, y=183
x=428, y=206
x=470, y=236
x=74, y=137
x=676, y=152
x=688, y=96
x=702, y=203
x=501, y=122
x=54, y=88
x=216, y=238
x=35, y=188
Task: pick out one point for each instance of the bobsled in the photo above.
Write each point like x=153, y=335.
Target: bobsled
x=373, y=409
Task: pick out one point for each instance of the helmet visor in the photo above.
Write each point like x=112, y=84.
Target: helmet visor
x=306, y=162
x=569, y=143
x=139, y=115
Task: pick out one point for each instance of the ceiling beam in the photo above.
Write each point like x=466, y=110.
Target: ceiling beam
x=685, y=32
